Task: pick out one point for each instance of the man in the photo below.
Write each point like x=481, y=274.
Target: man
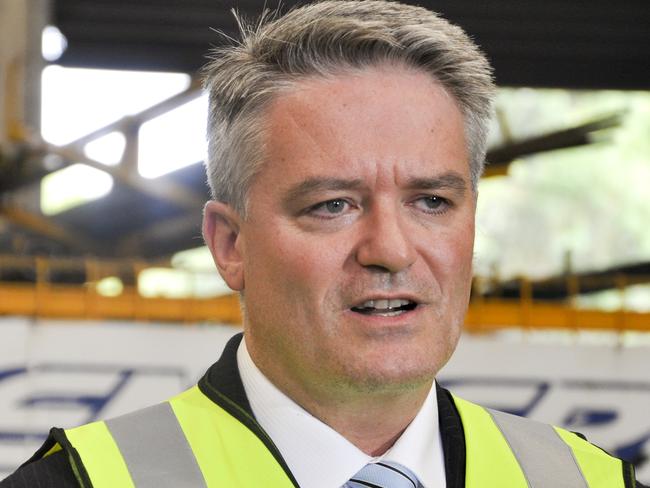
x=346, y=140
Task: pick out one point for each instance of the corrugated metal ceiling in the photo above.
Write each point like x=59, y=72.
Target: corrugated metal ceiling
x=551, y=43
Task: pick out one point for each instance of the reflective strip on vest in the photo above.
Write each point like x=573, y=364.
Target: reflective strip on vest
x=155, y=450
x=528, y=454
x=599, y=469
x=489, y=460
x=100, y=456
x=188, y=442
x=543, y=456
x=214, y=434
x=192, y=442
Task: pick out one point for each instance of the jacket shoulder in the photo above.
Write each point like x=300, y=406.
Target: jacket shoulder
x=526, y=449
x=53, y=471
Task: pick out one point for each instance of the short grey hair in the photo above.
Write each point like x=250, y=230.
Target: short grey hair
x=323, y=39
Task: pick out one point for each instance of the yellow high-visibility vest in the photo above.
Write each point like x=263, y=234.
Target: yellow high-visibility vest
x=541, y=456
x=191, y=441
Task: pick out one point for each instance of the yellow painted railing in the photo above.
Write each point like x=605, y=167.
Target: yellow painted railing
x=485, y=316
x=70, y=301
x=42, y=298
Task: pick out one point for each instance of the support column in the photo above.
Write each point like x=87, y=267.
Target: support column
x=21, y=26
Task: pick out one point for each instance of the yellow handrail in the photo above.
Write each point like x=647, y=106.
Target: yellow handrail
x=43, y=298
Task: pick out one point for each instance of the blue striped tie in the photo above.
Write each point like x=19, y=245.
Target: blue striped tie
x=384, y=474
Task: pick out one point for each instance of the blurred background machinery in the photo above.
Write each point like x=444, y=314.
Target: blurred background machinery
x=101, y=143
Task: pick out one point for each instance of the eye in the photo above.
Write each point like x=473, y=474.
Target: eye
x=330, y=208
x=432, y=204
x=335, y=206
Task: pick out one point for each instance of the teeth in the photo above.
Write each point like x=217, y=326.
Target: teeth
x=385, y=304
x=381, y=304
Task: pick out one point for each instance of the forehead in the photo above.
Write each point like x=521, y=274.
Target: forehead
x=363, y=123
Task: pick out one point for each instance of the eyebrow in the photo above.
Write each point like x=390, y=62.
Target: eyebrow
x=317, y=184
x=448, y=180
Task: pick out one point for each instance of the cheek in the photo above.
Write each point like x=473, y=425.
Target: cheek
x=462, y=255
x=450, y=257
x=462, y=242
x=290, y=266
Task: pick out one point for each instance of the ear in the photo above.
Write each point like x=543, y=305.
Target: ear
x=221, y=224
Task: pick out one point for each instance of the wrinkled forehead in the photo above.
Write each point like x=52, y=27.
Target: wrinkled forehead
x=359, y=122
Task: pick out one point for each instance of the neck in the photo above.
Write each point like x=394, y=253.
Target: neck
x=370, y=418
x=372, y=422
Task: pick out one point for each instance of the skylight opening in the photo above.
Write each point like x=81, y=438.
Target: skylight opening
x=174, y=140
x=77, y=101
x=108, y=149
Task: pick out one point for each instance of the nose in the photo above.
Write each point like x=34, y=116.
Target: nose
x=385, y=243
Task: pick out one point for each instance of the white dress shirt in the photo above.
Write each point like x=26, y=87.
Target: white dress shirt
x=320, y=457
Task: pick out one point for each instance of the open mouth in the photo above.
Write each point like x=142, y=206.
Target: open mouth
x=385, y=308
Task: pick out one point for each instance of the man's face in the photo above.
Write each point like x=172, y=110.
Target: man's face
x=357, y=247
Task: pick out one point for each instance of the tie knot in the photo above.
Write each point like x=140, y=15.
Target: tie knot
x=384, y=474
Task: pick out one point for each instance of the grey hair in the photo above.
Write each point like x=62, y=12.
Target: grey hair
x=323, y=39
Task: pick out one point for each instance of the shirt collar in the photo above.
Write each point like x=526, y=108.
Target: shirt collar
x=320, y=457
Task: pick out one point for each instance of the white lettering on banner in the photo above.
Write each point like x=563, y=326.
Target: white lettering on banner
x=66, y=395
x=75, y=374
x=79, y=372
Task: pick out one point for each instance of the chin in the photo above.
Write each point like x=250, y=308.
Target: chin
x=399, y=365
x=390, y=376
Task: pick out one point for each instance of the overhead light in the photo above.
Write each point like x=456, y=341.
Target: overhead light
x=110, y=286
x=53, y=43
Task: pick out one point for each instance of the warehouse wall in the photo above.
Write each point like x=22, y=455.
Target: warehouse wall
x=66, y=373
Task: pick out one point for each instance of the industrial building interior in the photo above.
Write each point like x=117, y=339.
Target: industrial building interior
x=572, y=83
x=102, y=183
